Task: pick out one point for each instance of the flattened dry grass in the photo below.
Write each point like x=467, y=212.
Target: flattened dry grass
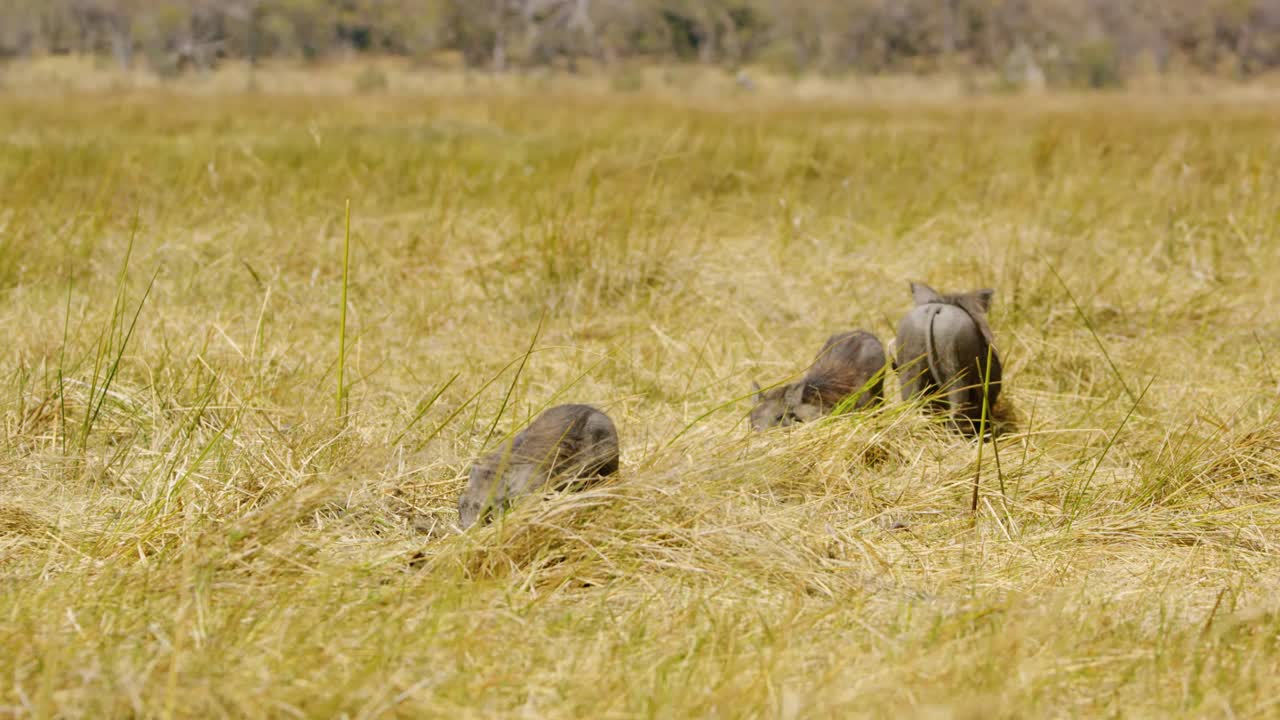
x=186, y=529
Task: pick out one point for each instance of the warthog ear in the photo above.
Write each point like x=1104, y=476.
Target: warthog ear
x=983, y=297
x=755, y=392
x=923, y=294
x=794, y=395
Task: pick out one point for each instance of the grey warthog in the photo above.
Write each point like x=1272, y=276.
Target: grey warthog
x=849, y=364
x=563, y=444
x=942, y=346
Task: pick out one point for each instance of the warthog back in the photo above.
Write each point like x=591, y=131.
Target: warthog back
x=563, y=444
x=849, y=364
x=942, y=346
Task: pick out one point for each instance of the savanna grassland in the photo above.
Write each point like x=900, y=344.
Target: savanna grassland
x=193, y=522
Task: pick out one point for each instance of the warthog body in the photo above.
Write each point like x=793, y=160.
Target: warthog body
x=563, y=444
x=850, y=363
x=942, y=346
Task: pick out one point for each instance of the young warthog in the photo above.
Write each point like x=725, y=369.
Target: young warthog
x=563, y=444
x=850, y=363
x=943, y=346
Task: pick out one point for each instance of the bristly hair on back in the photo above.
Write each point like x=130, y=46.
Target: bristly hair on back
x=977, y=303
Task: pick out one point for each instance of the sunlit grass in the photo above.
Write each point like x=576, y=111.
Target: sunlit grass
x=185, y=527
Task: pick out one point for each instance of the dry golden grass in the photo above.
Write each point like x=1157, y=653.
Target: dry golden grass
x=187, y=529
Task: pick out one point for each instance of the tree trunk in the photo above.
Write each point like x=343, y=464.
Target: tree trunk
x=251, y=34
x=500, y=36
x=949, y=30
x=122, y=45
x=707, y=40
x=500, y=50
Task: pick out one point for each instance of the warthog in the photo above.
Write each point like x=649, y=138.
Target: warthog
x=563, y=444
x=942, y=346
x=849, y=364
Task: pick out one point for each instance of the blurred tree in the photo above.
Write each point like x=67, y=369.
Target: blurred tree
x=1091, y=42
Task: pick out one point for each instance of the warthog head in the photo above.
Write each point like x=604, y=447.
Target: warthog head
x=563, y=444
x=850, y=364
x=782, y=406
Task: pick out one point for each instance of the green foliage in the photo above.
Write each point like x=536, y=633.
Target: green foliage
x=1099, y=66
x=628, y=79
x=370, y=80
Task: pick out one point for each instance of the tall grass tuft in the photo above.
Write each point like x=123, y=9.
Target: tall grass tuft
x=341, y=395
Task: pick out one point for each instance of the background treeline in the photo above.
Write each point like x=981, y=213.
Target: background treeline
x=1069, y=42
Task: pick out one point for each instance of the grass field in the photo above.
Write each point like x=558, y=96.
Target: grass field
x=194, y=523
